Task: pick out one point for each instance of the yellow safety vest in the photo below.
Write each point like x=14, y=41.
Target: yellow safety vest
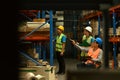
x=59, y=43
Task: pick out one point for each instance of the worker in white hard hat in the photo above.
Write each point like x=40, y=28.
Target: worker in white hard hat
x=60, y=49
x=86, y=41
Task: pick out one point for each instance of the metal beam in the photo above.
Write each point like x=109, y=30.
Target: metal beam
x=99, y=25
x=28, y=57
x=105, y=38
x=114, y=44
x=51, y=37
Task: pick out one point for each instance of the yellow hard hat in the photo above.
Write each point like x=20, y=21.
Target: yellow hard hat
x=61, y=28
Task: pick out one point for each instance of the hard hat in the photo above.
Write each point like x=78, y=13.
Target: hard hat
x=61, y=28
x=88, y=28
x=99, y=40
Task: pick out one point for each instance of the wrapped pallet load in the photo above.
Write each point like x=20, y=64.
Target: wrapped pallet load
x=119, y=30
x=29, y=26
x=32, y=25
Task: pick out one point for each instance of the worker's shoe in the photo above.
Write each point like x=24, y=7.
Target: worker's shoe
x=58, y=73
x=62, y=73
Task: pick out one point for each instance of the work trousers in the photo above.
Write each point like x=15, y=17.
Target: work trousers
x=86, y=66
x=61, y=62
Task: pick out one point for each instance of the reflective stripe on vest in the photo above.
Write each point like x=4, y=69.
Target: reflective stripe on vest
x=59, y=43
x=93, y=54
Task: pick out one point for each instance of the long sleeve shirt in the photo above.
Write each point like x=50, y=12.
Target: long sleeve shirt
x=81, y=47
x=87, y=48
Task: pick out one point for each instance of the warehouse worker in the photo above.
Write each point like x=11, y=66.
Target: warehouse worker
x=94, y=55
x=86, y=41
x=60, y=49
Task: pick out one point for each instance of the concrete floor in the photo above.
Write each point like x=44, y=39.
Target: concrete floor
x=70, y=65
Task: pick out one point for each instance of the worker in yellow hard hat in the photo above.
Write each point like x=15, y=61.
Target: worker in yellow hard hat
x=60, y=28
x=60, y=49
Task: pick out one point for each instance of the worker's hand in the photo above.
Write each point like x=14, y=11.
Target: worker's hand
x=73, y=41
x=88, y=57
x=77, y=43
x=61, y=53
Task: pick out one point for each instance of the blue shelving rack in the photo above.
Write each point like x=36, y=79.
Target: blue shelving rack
x=38, y=46
x=114, y=39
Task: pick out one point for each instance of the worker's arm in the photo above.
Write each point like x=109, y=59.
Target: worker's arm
x=81, y=47
x=76, y=44
x=63, y=45
x=63, y=48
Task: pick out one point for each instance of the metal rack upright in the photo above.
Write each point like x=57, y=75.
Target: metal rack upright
x=51, y=37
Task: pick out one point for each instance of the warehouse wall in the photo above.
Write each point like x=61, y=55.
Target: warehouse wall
x=71, y=27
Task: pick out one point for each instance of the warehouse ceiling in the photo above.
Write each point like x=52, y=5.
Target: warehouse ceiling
x=63, y=4
x=32, y=6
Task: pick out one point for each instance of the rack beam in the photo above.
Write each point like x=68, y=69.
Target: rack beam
x=28, y=57
x=98, y=25
x=115, y=7
x=114, y=45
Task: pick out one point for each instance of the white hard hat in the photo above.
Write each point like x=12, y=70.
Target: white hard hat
x=88, y=28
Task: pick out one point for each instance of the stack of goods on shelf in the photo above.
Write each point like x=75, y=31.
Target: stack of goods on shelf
x=117, y=31
x=110, y=31
x=42, y=32
x=36, y=23
x=29, y=26
x=94, y=25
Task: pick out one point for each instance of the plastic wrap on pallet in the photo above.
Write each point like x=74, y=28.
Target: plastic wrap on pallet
x=29, y=76
x=47, y=71
x=38, y=77
x=33, y=25
x=29, y=26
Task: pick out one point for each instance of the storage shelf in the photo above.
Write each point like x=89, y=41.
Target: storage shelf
x=94, y=14
x=117, y=7
x=114, y=39
x=91, y=15
x=30, y=13
x=36, y=36
x=99, y=13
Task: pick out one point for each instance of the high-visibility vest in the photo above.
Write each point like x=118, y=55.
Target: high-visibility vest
x=59, y=43
x=93, y=54
x=85, y=42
